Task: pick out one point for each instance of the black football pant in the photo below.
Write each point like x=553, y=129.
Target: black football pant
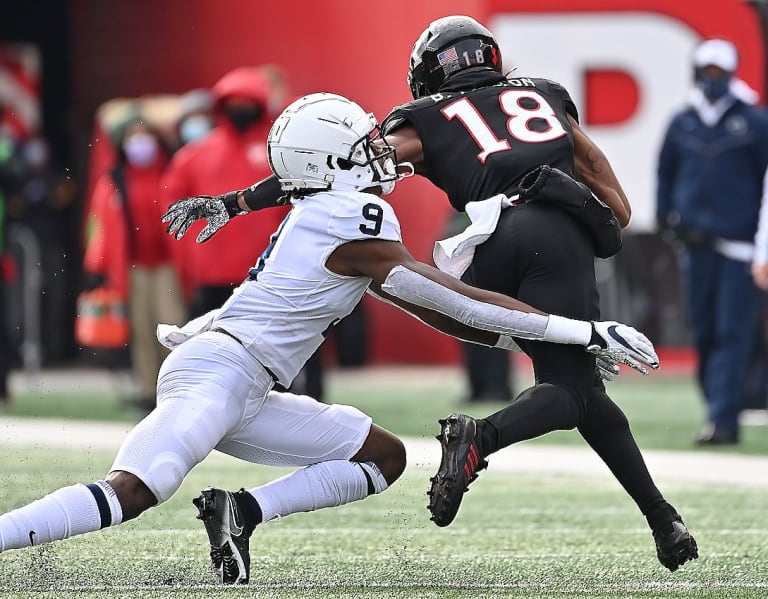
x=543, y=257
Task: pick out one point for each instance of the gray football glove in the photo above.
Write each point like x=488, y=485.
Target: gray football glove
x=216, y=210
x=606, y=364
x=624, y=345
x=607, y=367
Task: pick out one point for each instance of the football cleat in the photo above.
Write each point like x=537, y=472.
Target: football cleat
x=458, y=467
x=674, y=544
x=228, y=533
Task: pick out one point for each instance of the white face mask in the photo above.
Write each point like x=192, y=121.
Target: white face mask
x=140, y=149
x=194, y=128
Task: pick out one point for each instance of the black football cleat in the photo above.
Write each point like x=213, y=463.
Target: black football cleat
x=458, y=468
x=228, y=533
x=675, y=545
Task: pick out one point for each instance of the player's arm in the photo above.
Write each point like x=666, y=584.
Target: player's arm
x=408, y=147
x=219, y=210
x=594, y=170
x=473, y=314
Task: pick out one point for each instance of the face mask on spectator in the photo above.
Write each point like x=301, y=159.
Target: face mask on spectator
x=140, y=149
x=712, y=86
x=194, y=128
x=243, y=117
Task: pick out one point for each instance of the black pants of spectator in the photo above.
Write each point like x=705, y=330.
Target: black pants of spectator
x=541, y=256
x=209, y=297
x=756, y=382
x=5, y=347
x=488, y=372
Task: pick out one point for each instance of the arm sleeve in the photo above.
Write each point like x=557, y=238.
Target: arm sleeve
x=267, y=193
x=417, y=289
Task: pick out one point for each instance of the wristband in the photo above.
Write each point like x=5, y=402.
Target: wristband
x=230, y=203
x=567, y=330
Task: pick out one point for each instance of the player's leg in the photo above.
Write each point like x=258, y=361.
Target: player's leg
x=201, y=392
x=606, y=429
x=345, y=457
x=551, y=271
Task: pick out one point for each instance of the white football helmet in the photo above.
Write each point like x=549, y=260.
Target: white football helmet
x=325, y=141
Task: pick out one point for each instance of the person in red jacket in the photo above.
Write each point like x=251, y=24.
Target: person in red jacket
x=127, y=249
x=232, y=155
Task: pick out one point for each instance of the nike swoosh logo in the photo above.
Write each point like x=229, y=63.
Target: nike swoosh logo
x=612, y=332
x=32, y=534
x=234, y=527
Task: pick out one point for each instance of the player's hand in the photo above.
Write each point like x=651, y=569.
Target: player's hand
x=623, y=344
x=607, y=367
x=216, y=210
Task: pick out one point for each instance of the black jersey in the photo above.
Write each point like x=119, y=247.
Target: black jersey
x=479, y=142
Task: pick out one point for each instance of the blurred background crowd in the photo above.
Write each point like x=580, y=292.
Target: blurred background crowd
x=110, y=111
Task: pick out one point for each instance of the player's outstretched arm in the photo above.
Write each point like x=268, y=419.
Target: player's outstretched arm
x=218, y=210
x=477, y=315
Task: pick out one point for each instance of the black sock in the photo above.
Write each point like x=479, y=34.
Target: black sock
x=661, y=516
x=251, y=510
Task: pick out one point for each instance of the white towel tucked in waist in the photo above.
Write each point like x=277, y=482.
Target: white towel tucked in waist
x=172, y=336
x=454, y=255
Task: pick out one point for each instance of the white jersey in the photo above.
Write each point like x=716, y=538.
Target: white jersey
x=290, y=299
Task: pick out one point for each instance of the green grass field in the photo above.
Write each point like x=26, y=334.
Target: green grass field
x=665, y=411
x=515, y=536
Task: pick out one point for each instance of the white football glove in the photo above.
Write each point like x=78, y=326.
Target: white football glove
x=217, y=210
x=623, y=344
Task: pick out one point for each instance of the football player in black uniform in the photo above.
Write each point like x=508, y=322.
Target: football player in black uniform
x=476, y=133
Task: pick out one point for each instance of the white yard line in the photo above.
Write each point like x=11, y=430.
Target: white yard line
x=672, y=466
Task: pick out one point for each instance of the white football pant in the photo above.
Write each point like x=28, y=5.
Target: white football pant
x=213, y=394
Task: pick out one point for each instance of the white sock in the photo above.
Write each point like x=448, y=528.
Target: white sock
x=326, y=484
x=62, y=514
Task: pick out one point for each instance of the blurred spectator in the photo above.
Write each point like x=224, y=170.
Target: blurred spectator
x=710, y=183
x=128, y=251
x=232, y=156
x=195, y=116
x=8, y=185
x=46, y=207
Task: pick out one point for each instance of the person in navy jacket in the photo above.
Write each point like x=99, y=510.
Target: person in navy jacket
x=710, y=184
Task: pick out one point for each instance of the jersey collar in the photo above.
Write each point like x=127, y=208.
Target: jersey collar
x=472, y=79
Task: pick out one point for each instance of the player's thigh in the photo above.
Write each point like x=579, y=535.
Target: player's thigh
x=296, y=430
x=541, y=256
x=204, y=390
x=568, y=366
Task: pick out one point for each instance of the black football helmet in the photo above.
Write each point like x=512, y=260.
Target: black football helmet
x=447, y=46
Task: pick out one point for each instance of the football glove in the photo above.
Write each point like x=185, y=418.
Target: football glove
x=216, y=210
x=623, y=344
x=607, y=367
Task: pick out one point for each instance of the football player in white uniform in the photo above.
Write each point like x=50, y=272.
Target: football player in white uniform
x=215, y=388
